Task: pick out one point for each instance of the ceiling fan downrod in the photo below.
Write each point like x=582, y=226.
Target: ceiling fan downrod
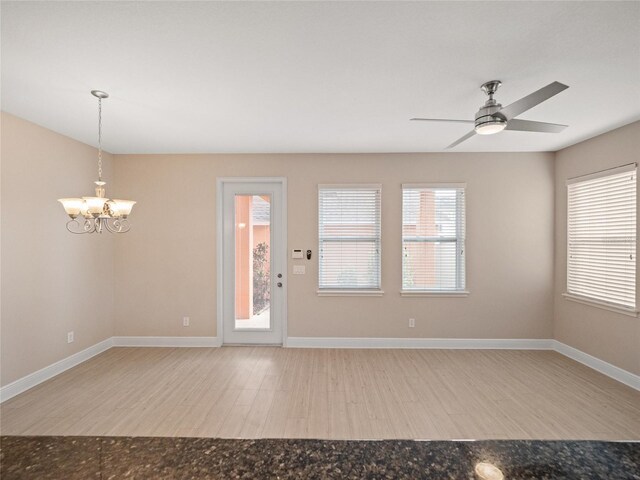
x=488, y=120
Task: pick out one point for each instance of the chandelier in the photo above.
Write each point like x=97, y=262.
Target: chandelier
x=98, y=213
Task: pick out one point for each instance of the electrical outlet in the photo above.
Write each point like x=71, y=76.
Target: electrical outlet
x=185, y=321
x=70, y=337
x=412, y=322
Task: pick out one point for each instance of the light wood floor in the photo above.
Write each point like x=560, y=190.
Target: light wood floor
x=252, y=392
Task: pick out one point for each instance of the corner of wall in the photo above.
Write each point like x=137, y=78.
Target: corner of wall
x=605, y=335
x=54, y=282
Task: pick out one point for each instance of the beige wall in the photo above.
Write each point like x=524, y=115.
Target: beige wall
x=52, y=281
x=165, y=267
x=612, y=337
x=143, y=283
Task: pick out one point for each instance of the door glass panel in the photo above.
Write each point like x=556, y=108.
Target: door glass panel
x=253, y=262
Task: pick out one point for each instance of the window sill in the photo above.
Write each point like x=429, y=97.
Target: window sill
x=350, y=293
x=427, y=293
x=602, y=305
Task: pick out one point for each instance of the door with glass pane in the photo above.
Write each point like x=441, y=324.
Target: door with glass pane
x=253, y=262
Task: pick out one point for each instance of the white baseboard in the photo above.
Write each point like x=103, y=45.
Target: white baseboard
x=166, y=342
x=42, y=375
x=443, y=343
x=598, y=365
x=35, y=378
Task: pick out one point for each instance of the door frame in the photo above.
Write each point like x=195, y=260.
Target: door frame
x=220, y=291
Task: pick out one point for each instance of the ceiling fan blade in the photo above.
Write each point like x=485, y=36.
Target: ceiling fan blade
x=531, y=100
x=531, y=126
x=460, y=140
x=441, y=120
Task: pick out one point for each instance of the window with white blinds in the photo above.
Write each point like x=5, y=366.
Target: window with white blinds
x=601, y=237
x=349, y=235
x=433, y=234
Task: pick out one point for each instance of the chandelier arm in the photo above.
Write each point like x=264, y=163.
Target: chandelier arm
x=124, y=226
x=70, y=223
x=89, y=226
x=73, y=226
x=117, y=226
x=111, y=226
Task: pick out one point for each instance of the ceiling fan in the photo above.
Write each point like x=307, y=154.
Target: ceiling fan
x=493, y=117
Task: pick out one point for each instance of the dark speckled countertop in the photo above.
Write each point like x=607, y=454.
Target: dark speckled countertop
x=212, y=458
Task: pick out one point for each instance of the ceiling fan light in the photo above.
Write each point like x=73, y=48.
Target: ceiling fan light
x=490, y=127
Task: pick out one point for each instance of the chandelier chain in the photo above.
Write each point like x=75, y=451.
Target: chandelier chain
x=100, y=139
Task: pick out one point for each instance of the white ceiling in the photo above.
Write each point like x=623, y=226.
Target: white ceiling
x=316, y=76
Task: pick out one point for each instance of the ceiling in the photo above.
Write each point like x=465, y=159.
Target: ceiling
x=241, y=77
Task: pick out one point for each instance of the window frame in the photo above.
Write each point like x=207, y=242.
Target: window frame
x=461, y=228
x=351, y=291
x=586, y=299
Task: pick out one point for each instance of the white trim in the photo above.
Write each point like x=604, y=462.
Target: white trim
x=460, y=239
x=350, y=186
x=617, y=373
x=434, y=185
x=29, y=381
x=603, y=305
x=434, y=343
x=284, y=237
x=220, y=181
x=434, y=293
x=602, y=173
x=219, y=256
x=250, y=179
x=350, y=293
x=166, y=341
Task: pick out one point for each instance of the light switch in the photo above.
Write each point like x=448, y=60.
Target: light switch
x=299, y=269
x=296, y=254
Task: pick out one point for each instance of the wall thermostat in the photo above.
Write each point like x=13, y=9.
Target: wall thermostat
x=295, y=253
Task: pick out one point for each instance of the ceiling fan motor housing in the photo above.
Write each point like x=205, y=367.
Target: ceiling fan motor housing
x=488, y=120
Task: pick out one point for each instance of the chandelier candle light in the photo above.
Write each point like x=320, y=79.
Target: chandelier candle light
x=99, y=212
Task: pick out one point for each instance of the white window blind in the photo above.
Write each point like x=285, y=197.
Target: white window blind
x=601, y=237
x=433, y=235
x=349, y=235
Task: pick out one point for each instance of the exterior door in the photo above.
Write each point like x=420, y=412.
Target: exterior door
x=254, y=256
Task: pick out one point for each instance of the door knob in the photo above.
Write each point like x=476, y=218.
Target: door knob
x=279, y=284
x=279, y=275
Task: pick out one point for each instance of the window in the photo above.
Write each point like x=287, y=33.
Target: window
x=433, y=238
x=349, y=234
x=601, y=237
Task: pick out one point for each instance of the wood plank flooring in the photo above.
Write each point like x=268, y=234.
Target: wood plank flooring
x=270, y=392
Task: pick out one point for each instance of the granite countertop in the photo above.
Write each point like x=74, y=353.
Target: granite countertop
x=212, y=458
